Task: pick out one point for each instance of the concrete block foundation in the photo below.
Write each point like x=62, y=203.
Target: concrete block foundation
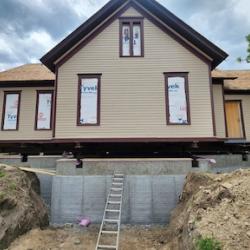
x=126, y=166
x=34, y=161
x=146, y=200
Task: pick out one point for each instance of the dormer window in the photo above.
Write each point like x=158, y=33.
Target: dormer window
x=131, y=37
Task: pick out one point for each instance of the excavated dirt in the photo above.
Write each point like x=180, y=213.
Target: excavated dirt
x=215, y=206
x=21, y=207
x=131, y=238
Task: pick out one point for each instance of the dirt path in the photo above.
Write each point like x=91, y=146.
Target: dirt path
x=132, y=238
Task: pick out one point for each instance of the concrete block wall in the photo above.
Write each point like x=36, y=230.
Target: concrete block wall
x=34, y=161
x=229, y=161
x=46, y=188
x=146, y=200
x=140, y=166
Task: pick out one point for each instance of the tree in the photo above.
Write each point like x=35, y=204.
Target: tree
x=247, y=59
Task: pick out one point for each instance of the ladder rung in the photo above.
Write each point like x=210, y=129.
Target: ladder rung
x=117, y=174
x=106, y=247
x=116, y=189
x=115, y=195
x=114, y=202
x=109, y=232
x=117, y=179
x=112, y=210
x=111, y=220
x=117, y=183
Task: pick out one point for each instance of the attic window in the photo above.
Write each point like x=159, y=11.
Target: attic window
x=131, y=37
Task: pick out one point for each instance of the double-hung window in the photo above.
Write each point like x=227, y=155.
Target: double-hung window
x=177, y=99
x=89, y=100
x=11, y=110
x=44, y=110
x=131, y=37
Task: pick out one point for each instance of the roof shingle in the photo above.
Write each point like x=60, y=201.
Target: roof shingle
x=242, y=81
x=27, y=72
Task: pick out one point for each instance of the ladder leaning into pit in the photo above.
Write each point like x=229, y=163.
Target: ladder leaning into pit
x=109, y=233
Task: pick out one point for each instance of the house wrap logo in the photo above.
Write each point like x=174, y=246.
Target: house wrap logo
x=173, y=87
x=85, y=89
x=11, y=117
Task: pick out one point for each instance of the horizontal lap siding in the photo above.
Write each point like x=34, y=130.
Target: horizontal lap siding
x=26, y=117
x=132, y=89
x=245, y=107
x=219, y=110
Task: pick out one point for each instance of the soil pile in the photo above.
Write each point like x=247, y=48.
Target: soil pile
x=215, y=207
x=21, y=207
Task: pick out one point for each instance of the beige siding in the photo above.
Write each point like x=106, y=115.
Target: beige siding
x=131, y=12
x=219, y=110
x=132, y=89
x=26, y=119
x=245, y=106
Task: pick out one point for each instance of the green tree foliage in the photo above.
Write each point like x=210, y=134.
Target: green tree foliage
x=247, y=59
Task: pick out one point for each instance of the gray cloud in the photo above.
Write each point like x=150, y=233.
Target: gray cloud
x=226, y=23
x=56, y=17
x=28, y=29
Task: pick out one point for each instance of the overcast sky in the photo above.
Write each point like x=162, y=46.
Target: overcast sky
x=30, y=28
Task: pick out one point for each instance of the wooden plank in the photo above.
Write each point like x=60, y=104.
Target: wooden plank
x=38, y=171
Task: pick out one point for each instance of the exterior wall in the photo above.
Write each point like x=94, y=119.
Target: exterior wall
x=133, y=89
x=245, y=108
x=26, y=117
x=219, y=110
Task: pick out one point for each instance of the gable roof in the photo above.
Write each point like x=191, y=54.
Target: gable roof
x=151, y=6
x=27, y=75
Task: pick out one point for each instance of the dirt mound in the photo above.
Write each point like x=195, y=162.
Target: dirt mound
x=21, y=207
x=213, y=208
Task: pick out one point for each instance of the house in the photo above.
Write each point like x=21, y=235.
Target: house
x=132, y=75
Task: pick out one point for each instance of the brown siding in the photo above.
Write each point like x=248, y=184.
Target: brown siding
x=26, y=129
x=219, y=110
x=245, y=108
x=133, y=95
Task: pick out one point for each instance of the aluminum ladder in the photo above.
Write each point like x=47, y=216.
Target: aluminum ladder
x=108, y=237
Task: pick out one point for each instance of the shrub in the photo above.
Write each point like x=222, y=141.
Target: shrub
x=208, y=243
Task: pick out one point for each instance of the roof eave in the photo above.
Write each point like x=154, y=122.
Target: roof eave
x=27, y=83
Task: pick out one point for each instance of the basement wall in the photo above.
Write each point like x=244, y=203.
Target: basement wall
x=146, y=200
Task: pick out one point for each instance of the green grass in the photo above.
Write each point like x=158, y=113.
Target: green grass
x=2, y=174
x=208, y=243
x=12, y=186
x=2, y=195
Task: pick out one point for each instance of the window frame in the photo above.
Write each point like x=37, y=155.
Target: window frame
x=38, y=92
x=17, y=92
x=168, y=75
x=98, y=111
x=131, y=21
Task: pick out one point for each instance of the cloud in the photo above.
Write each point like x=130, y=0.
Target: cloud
x=28, y=29
x=226, y=23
